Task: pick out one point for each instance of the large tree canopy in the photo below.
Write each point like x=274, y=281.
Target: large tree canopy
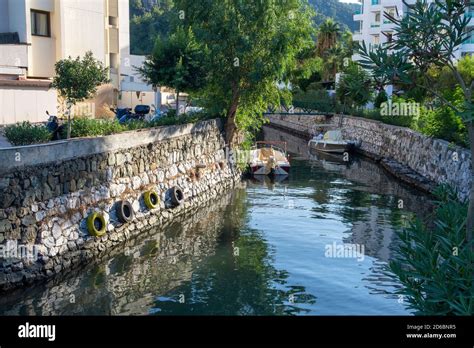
x=178, y=62
x=252, y=46
x=427, y=37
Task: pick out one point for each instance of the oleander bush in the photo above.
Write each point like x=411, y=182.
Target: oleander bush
x=25, y=133
x=436, y=264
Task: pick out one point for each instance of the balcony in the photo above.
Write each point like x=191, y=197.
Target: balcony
x=375, y=25
x=13, y=59
x=387, y=24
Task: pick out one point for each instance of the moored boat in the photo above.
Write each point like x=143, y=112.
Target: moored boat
x=268, y=158
x=332, y=142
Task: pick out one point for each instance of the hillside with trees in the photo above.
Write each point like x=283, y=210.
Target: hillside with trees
x=152, y=18
x=342, y=13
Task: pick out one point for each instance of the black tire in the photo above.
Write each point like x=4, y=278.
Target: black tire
x=124, y=211
x=176, y=195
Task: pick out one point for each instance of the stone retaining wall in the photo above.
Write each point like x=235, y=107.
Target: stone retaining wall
x=434, y=159
x=46, y=199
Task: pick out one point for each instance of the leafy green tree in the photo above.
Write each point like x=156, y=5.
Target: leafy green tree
x=428, y=36
x=77, y=79
x=252, y=46
x=353, y=87
x=178, y=62
x=308, y=69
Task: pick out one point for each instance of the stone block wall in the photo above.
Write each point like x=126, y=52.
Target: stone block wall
x=44, y=205
x=434, y=159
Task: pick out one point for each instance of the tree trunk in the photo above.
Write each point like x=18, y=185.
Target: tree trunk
x=231, y=127
x=470, y=211
x=69, y=126
x=177, y=103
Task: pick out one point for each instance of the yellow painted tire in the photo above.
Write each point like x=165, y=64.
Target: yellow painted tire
x=151, y=199
x=96, y=224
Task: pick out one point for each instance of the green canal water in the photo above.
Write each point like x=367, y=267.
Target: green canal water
x=266, y=248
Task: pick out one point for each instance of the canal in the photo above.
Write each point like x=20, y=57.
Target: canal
x=315, y=243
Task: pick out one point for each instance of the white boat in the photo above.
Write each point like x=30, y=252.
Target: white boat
x=266, y=158
x=331, y=142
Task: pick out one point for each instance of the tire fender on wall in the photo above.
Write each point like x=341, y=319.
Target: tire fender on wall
x=96, y=225
x=176, y=196
x=124, y=211
x=152, y=200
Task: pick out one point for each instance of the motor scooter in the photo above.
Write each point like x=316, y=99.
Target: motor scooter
x=55, y=126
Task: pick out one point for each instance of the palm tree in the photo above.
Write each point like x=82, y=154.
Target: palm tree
x=328, y=33
x=333, y=60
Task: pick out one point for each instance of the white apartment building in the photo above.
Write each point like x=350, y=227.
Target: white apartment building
x=375, y=29
x=35, y=34
x=133, y=89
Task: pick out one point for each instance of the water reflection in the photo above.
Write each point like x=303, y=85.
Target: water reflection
x=184, y=269
x=257, y=250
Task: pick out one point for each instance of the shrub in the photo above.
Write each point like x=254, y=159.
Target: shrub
x=89, y=127
x=170, y=119
x=443, y=122
x=380, y=98
x=314, y=99
x=25, y=133
x=354, y=87
x=435, y=265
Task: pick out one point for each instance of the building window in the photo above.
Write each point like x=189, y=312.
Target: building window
x=392, y=12
x=377, y=17
x=40, y=23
